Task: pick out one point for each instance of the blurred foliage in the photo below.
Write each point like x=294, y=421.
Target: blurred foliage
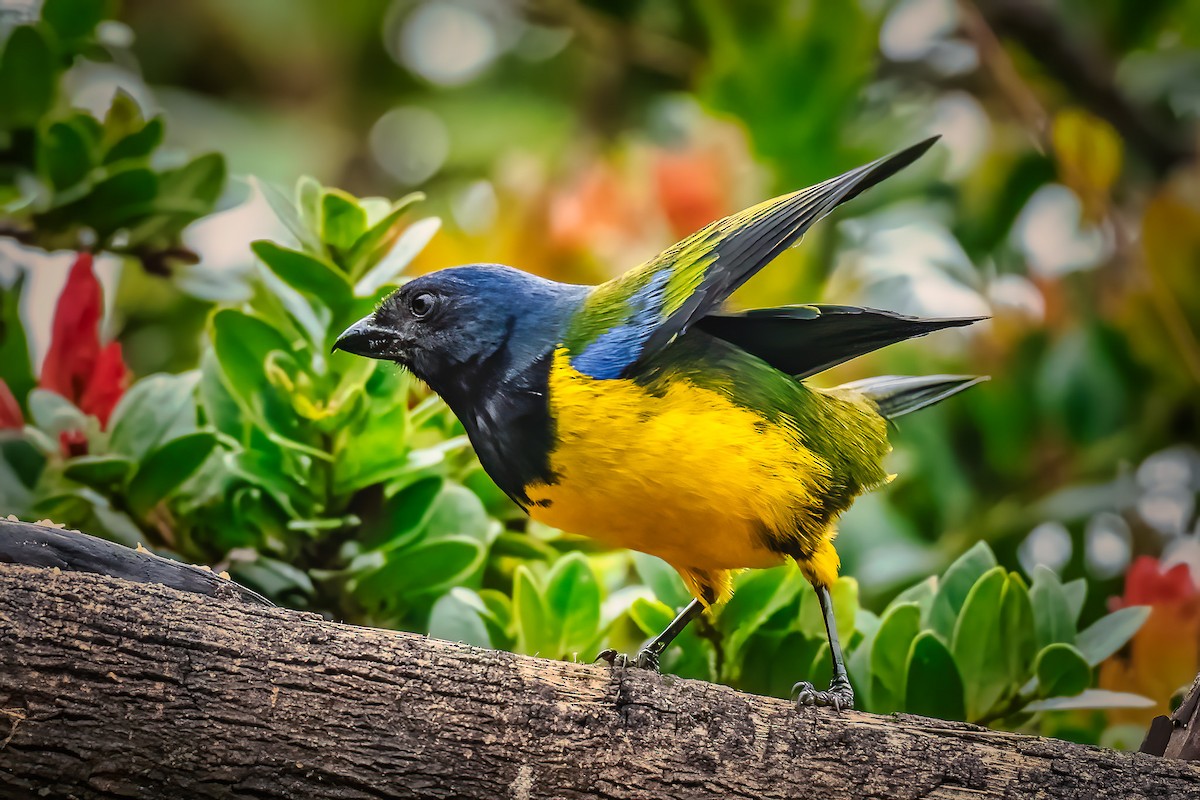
x=70, y=180
x=574, y=139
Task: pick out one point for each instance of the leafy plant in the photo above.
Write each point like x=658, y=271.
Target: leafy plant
x=322, y=479
x=69, y=180
x=976, y=644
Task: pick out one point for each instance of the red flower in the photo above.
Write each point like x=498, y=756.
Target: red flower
x=692, y=187
x=1147, y=585
x=76, y=366
x=10, y=410
x=1163, y=655
x=74, y=338
x=73, y=443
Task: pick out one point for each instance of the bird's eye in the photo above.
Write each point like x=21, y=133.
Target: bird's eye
x=421, y=304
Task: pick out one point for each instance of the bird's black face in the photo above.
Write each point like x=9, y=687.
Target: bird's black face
x=455, y=328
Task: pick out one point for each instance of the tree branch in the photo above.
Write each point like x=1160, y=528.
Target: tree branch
x=110, y=688
x=1089, y=76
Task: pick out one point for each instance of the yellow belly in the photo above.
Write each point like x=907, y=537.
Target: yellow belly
x=686, y=474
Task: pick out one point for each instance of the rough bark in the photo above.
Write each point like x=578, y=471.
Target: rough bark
x=111, y=688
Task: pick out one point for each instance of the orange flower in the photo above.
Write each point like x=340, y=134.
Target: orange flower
x=1165, y=654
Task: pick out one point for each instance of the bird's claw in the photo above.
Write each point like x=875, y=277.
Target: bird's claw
x=611, y=656
x=839, y=696
x=645, y=659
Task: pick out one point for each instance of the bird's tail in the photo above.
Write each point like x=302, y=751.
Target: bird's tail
x=897, y=395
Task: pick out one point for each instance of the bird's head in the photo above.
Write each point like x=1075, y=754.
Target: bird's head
x=456, y=327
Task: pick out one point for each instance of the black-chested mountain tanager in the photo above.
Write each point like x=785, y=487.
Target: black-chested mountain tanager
x=639, y=413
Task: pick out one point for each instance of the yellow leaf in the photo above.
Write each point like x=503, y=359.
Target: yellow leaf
x=1088, y=151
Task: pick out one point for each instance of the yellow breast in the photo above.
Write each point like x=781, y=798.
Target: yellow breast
x=682, y=473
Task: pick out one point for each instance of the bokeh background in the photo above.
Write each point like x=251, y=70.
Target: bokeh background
x=574, y=139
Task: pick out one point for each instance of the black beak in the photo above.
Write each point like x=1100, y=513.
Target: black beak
x=365, y=338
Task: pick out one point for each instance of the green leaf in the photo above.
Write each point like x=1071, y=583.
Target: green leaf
x=978, y=645
x=572, y=600
x=1062, y=671
x=1052, y=618
x=53, y=413
x=15, y=367
x=920, y=593
x=166, y=468
x=859, y=662
x=890, y=655
x=1017, y=632
x=73, y=19
x=342, y=219
x=417, y=571
x=64, y=155
x=113, y=203
x=197, y=184
x=497, y=615
x=1092, y=699
x=844, y=594
x=308, y=202
x=456, y=619
x=662, y=579
x=955, y=585
x=243, y=343
x=282, y=305
x=154, y=410
x=759, y=595
x=310, y=276
x=138, y=144
x=934, y=687
x=651, y=616
x=530, y=613
x=28, y=78
x=287, y=212
x=124, y=117
x=406, y=248
x=403, y=516
x=99, y=472
x=278, y=580
x=1076, y=593
x=380, y=235
x=1109, y=634
x=523, y=546
x=460, y=512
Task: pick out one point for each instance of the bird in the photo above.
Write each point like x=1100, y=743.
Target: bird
x=642, y=413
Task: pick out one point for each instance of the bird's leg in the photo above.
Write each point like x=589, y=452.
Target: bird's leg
x=647, y=657
x=840, y=694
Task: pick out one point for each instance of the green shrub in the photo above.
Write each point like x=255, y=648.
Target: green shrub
x=976, y=644
x=69, y=180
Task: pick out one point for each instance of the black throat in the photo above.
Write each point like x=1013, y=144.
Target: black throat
x=502, y=401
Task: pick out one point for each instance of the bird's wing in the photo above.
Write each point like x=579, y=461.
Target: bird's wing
x=634, y=316
x=805, y=340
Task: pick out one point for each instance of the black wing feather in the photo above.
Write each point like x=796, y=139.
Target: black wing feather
x=805, y=340
x=747, y=242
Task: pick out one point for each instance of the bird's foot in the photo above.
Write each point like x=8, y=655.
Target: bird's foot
x=645, y=659
x=840, y=695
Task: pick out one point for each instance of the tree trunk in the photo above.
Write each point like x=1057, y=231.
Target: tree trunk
x=114, y=688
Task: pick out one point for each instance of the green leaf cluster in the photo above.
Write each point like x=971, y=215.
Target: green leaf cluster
x=975, y=644
x=70, y=180
x=324, y=480
x=982, y=645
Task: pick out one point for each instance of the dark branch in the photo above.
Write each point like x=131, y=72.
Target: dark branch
x=1089, y=75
